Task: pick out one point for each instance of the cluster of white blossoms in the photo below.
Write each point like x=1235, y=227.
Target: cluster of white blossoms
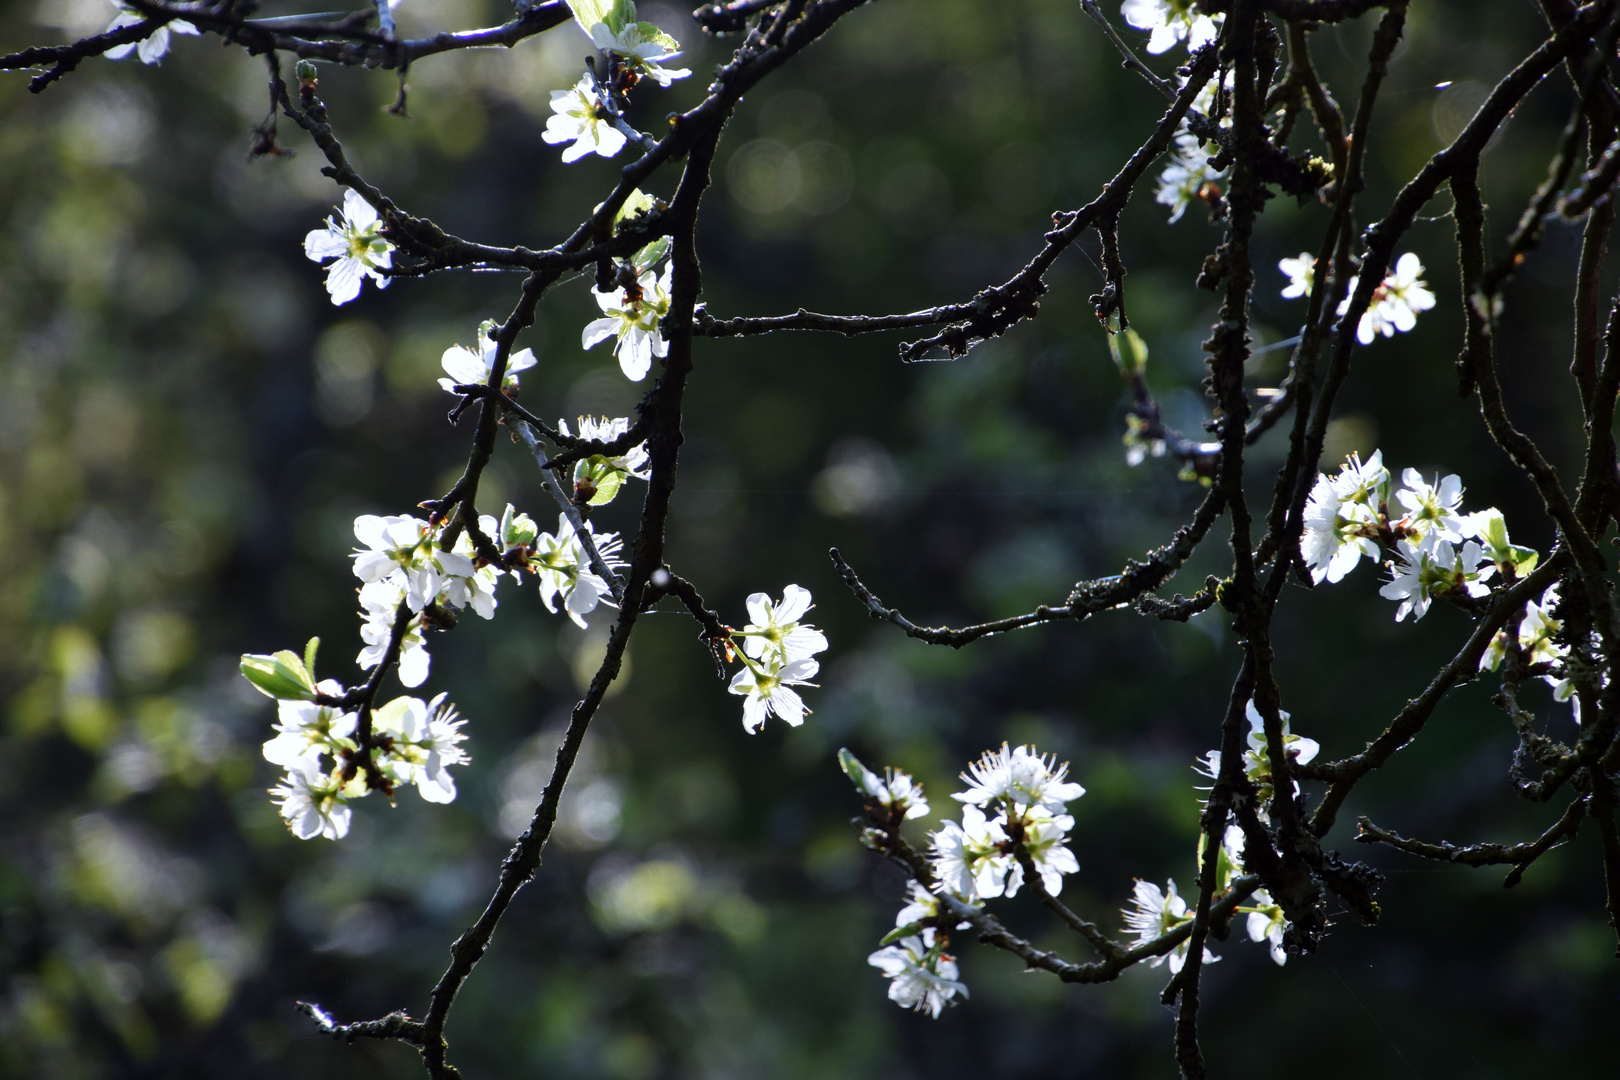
x=1437, y=549
x=410, y=582
x=1395, y=303
x=1156, y=912
x=153, y=47
x=315, y=741
x=777, y=650
x=582, y=117
x=980, y=858
x=1189, y=175
x=354, y=239
x=922, y=975
x=1015, y=812
x=1171, y=22
x=1540, y=650
x=565, y=571
x=1026, y=794
x=1257, y=758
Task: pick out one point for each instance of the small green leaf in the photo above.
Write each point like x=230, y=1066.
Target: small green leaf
x=900, y=932
x=590, y=12
x=620, y=15
x=310, y=649
x=1139, y=351
x=851, y=765
x=517, y=530
x=607, y=486
x=282, y=676
x=864, y=779
x=638, y=203
x=1524, y=559
x=648, y=256
x=650, y=32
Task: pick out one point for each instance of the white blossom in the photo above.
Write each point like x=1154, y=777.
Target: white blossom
x=465, y=366
x=598, y=477
x=563, y=567
x=1332, y=542
x=972, y=858
x=1171, y=21
x=1361, y=482
x=631, y=318
x=1020, y=775
x=354, y=239
x=379, y=601
x=152, y=48
x=1043, y=836
x=895, y=791
x=633, y=462
x=922, y=976
x=579, y=118
x=1301, y=273
x=923, y=904
x=1431, y=568
x=1156, y=914
x=767, y=688
x=311, y=802
x=1395, y=302
x=305, y=729
x=1184, y=178
x=776, y=630
x=1257, y=759
x=1266, y=923
x=1537, y=634
x=1434, y=508
x=478, y=587
x=426, y=741
x=641, y=45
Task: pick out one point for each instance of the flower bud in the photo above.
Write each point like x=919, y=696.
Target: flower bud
x=282, y=676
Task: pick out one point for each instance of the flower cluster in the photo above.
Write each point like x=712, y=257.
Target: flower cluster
x=418, y=744
x=1027, y=794
x=1437, y=550
x=777, y=650
x=912, y=955
x=1156, y=912
x=1395, y=302
x=588, y=115
x=411, y=584
x=980, y=858
x=354, y=238
x=1189, y=176
x=565, y=571
x=1257, y=758
x=1540, y=649
x=1171, y=22
x=315, y=741
x=923, y=976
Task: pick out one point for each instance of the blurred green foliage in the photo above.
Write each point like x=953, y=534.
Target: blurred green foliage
x=188, y=428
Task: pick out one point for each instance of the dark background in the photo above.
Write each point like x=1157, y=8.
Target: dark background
x=188, y=428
